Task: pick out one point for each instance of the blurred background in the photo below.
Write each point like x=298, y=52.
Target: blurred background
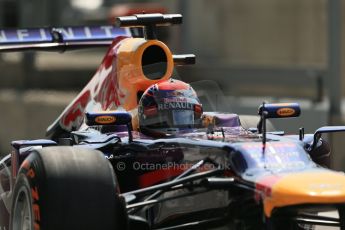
x=247, y=52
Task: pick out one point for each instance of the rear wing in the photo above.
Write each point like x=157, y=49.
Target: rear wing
x=59, y=39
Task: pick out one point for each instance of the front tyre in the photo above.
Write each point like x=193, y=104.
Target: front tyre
x=67, y=188
x=22, y=212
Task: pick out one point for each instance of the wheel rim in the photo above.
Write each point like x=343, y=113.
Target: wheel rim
x=22, y=213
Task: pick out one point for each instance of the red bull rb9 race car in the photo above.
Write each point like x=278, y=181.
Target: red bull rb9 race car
x=135, y=150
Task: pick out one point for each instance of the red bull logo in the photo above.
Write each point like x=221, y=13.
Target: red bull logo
x=175, y=93
x=104, y=92
x=176, y=99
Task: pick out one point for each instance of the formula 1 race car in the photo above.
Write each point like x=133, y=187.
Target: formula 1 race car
x=135, y=150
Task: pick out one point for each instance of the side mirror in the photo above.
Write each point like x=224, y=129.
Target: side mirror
x=325, y=129
x=110, y=118
x=276, y=110
x=280, y=110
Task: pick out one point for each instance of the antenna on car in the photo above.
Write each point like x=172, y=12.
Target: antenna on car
x=149, y=22
x=263, y=128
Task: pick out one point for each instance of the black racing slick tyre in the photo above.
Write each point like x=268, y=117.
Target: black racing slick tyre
x=67, y=188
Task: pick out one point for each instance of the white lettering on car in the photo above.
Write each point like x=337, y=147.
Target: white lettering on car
x=22, y=34
x=87, y=32
x=43, y=34
x=107, y=30
x=3, y=37
x=175, y=105
x=68, y=32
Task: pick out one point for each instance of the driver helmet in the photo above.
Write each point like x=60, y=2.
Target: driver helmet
x=169, y=106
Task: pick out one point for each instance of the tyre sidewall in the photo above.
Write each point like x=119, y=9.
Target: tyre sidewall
x=27, y=180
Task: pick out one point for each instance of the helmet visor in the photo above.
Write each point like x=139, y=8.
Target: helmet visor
x=183, y=117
